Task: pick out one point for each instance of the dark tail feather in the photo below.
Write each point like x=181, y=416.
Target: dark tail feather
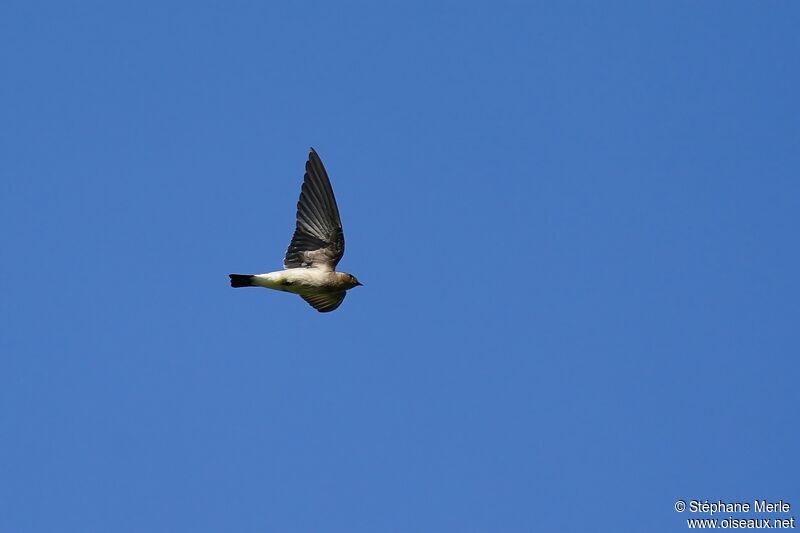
x=241, y=280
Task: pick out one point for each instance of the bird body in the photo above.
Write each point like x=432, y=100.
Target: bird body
x=303, y=280
x=316, y=247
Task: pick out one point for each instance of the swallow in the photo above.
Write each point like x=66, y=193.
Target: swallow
x=309, y=266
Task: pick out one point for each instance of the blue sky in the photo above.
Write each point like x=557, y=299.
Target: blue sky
x=576, y=224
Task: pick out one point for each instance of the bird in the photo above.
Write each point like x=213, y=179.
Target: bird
x=317, y=245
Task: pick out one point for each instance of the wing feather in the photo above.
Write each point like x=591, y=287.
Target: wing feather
x=325, y=303
x=318, y=239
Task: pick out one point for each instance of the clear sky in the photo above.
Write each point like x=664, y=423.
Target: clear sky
x=576, y=224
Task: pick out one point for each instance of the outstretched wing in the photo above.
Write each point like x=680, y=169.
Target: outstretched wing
x=318, y=240
x=325, y=303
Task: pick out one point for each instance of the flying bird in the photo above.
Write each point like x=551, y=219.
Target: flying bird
x=309, y=266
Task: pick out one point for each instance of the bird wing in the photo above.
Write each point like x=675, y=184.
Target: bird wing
x=318, y=239
x=324, y=303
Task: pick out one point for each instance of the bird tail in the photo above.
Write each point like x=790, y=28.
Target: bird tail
x=241, y=280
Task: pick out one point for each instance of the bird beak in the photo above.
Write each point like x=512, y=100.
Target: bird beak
x=358, y=283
